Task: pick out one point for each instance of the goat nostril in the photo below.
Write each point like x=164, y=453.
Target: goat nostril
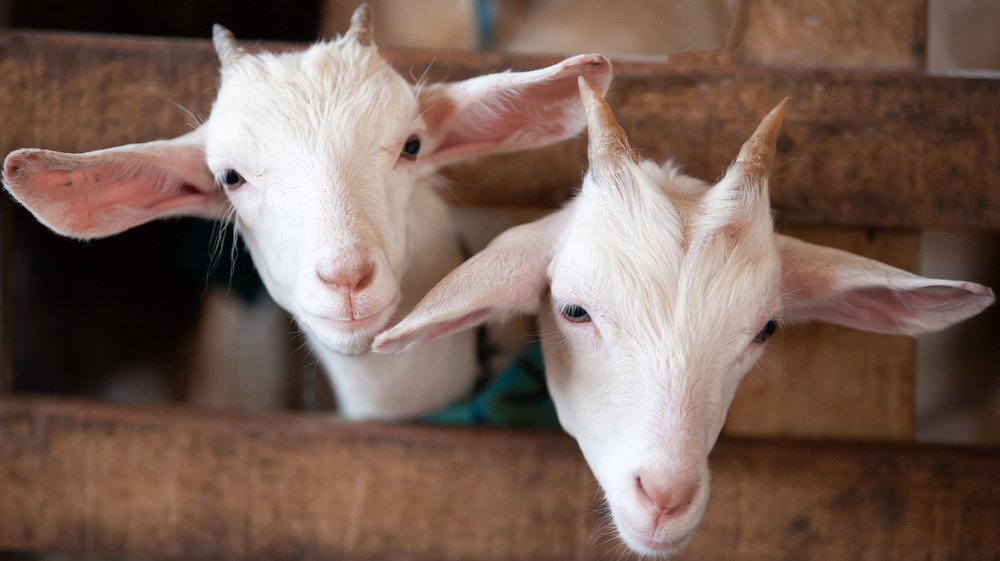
x=668, y=502
x=348, y=281
x=367, y=274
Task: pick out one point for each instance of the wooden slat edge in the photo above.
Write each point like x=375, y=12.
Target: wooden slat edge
x=171, y=483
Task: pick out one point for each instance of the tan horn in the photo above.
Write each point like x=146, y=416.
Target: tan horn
x=361, y=26
x=757, y=154
x=226, y=46
x=607, y=141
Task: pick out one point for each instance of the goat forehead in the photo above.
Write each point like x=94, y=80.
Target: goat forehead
x=324, y=92
x=656, y=290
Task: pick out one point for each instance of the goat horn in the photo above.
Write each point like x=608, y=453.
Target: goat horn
x=361, y=26
x=225, y=45
x=607, y=141
x=757, y=154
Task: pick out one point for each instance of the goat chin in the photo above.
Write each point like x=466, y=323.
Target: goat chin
x=663, y=540
x=654, y=549
x=350, y=338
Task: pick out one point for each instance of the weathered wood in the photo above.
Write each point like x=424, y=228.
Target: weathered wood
x=818, y=33
x=6, y=294
x=169, y=484
x=858, y=147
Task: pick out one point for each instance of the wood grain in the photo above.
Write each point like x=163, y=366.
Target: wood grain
x=6, y=295
x=818, y=34
x=863, y=148
x=171, y=484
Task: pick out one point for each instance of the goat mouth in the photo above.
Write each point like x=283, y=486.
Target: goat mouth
x=653, y=547
x=349, y=324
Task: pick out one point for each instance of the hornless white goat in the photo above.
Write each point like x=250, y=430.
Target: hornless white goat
x=655, y=294
x=326, y=160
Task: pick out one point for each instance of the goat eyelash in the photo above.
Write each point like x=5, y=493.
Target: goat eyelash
x=573, y=313
x=769, y=329
x=230, y=179
x=410, y=148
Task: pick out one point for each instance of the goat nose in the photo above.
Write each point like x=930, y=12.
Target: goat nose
x=667, y=501
x=348, y=280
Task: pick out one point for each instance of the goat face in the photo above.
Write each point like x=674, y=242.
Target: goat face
x=319, y=154
x=662, y=293
x=326, y=196
x=655, y=294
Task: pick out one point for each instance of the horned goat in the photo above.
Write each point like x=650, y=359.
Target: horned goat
x=325, y=159
x=655, y=294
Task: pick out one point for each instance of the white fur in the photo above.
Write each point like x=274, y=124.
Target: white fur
x=346, y=231
x=679, y=278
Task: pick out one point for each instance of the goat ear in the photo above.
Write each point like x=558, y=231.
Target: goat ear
x=511, y=110
x=504, y=279
x=826, y=284
x=101, y=193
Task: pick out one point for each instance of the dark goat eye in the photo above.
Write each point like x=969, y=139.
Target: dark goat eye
x=411, y=148
x=769, y=329
x=574, y=313
x=232, y=179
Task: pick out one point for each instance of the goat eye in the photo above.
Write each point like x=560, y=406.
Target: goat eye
x=574, y=313
x=765, y=333
x=411, y=148
x=232, y=179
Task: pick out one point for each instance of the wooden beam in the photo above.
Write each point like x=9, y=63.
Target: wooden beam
x=818, y=33
x=99, y=480
x=897, y=149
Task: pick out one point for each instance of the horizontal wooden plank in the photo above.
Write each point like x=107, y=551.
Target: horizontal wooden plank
x=171, y=484
x=899, y=149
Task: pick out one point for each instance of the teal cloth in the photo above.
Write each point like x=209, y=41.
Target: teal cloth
x=517, y=396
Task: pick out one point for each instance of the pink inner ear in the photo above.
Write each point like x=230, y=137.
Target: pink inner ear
x=513, y=123
x=468, y=320
x=431, y=331
x=878, y=306
x=102, y=193
x=906, y=311
x=512, y=112
x=92, y=191
x=909, y=302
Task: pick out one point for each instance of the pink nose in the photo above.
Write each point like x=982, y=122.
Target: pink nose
x=667, y=501
x=348, y=280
